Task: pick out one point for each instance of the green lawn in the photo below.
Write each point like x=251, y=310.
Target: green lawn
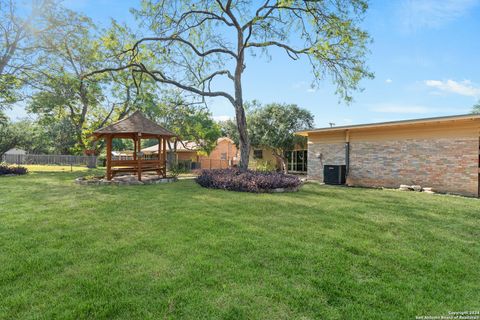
x=178, y=251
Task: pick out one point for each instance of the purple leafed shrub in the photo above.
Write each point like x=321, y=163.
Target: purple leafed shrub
x=249, y=181
x=6, y=169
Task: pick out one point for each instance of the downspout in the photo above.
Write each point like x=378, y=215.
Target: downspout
x=347, y=153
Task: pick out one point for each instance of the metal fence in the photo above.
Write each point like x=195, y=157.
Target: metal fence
x=50, y=159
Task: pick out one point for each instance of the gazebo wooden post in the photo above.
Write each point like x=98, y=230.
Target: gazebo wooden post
x=164, y=156
x=159, y=138
x=139, y=159
x=135, y=147
x=109, y=157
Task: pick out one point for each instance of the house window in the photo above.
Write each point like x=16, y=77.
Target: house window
x=296, y=160
x=258, y=154
x=223, y=156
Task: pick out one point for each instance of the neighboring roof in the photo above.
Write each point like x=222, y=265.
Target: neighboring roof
x=190, y=146
x=122, y=153
x=135, y=123
x=186, y=146
x=392, y=123
x=224, y=139
x=151, y=149
x=16, y=151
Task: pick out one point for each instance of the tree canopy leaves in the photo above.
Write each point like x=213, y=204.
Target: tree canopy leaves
x=273, y=126
x=476, y=108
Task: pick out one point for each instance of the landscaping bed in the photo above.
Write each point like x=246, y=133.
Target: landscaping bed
x=248, y=181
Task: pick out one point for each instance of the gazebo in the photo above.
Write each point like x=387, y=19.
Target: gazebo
x=135, y=127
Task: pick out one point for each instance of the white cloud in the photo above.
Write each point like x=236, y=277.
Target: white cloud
x=222, y=118
x=303, y=85
x=418, y=14
x=388, y=81
x=299, y=85
x=464, y=88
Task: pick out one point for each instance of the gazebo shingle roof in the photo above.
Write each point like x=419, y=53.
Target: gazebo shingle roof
x=135, y=123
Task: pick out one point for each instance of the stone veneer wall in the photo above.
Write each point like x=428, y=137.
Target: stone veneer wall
x=445, y=164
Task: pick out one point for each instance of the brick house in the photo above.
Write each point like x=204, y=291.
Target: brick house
x=442, y=153
x=223, y=156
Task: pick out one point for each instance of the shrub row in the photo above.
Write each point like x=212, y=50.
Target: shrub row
x=9, y=169
x=248, y=181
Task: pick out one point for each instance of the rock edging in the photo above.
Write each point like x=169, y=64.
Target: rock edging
x=417, y=188
x=123, y=181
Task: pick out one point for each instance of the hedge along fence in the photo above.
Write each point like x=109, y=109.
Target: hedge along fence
x=50, y=159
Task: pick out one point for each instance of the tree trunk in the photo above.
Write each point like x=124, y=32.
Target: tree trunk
x=283, y=163
x=244, y=141
x=83, y=115
x=78, y=134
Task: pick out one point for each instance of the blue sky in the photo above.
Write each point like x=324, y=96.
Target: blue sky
x=425, y=55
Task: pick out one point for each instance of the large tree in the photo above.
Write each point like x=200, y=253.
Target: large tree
x=62, y=94
x=196, y=42
x=58, y=89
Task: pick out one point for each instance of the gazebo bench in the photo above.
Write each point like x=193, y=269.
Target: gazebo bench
x=132, y=169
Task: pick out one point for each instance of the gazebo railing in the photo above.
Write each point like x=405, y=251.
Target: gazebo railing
x=130, y=157
x=116, y=163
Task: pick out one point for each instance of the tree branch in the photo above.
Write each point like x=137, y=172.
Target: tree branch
x=160, y=77
x=218, y=73
x=210, y=14
x=292, y=53
x=188, y=43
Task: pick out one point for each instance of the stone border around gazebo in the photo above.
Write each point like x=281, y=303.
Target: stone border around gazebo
x=125, y=180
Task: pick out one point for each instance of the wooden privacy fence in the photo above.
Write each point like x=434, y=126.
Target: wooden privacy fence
x=189, y=165
x=184, y=165
x=46, y=159
x=216, y=163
